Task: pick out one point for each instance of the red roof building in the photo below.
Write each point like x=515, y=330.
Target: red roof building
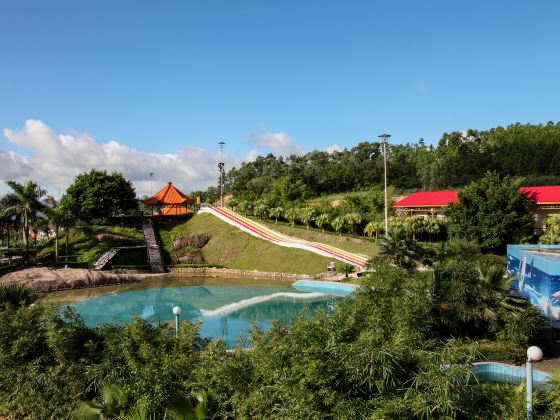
x=169, y=201
x=432, y=203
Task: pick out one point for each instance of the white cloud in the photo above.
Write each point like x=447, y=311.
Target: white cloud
x=334, y=148
x=55, y=159
x=279, y=144
x=251, y=155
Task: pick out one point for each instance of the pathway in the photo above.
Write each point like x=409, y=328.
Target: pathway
x=108, y=256
x=261, y=231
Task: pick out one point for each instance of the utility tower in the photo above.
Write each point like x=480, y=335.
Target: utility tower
x=222, y=175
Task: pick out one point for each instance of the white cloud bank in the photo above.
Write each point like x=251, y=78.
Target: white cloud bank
x=55, y=159
x=279, y=144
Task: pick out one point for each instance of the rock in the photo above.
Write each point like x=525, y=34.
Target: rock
x=197, y=241
x=109, y=237
x=191, y=258
x=44, y=279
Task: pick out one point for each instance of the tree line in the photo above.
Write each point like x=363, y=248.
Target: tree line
x=521, y=150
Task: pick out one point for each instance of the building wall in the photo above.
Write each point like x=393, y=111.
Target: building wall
x=537, y=276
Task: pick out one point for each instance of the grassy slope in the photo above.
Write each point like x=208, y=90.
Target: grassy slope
x=360, y=246
x=81, y=242
x=234, y=248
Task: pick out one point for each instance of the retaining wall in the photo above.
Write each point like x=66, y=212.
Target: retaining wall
x=230, y=272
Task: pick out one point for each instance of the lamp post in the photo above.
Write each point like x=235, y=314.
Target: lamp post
x=385, y=137
x=151, y=178
x=534, y=354
x=177, y=312
x=221, y=166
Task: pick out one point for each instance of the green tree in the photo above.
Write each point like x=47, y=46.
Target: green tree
x=432, y=227
x=232, y=203
x=291, y=214
x=492, y=211
x=400, y=250
x=275, y=212
x=25, y=203
x=321, y=221
x=347, y=269
x=338, y=224
x=96, y=196
x=374, y=227
x=244, y=207
x=306, y=215
x=261, y=210
x=353, y=219
x=414, y=225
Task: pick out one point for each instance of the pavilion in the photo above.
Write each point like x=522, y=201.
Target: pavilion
x=169, y=201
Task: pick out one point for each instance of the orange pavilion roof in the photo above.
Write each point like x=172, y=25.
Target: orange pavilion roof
x=168, y=195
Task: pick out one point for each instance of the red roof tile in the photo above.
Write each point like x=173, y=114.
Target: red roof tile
x=429, y=199
x=168, y=195
x=543, y=195
x=540, y=195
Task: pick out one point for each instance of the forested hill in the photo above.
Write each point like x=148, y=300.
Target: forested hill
x=529, y=151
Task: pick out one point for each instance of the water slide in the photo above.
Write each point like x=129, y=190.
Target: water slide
x=263, y=232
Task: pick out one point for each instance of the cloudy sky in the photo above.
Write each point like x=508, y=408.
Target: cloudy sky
x=144, y=86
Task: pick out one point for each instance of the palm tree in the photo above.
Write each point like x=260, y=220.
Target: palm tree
x=232, y=202
x=114, y=400
x=26, y=204
x=353, y=219
x=291, y=215
x=17, y=295
x=57, y=217
x=375, y=226
x=347, y=269
x=414, y=225
x=321, y=221
x=553, y=224
x=493, y=274
x=275, y=212
x=244, y=207
x=432, y=227
x=338, y=224
x=261, y=210
x=399, y=250
x=306, y=215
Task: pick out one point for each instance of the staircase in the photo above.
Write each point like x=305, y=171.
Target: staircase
x=108, y=256
x=105, y=258
x=152, y=247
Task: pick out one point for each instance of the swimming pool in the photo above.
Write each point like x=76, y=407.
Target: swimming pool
x=501, y=372
x=226, y=308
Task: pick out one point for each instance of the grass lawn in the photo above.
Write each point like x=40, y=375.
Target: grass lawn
x=233, y=248
x=82, y=242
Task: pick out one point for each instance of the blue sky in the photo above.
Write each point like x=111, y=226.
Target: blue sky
x=175, y=77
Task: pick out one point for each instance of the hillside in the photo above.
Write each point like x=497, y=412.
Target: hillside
x=233, y=248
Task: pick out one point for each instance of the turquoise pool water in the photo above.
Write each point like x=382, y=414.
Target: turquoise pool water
x=226, y=310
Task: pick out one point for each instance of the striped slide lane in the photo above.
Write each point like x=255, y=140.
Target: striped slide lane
x=322, y=248
x=263, y=232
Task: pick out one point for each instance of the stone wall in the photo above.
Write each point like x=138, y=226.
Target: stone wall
x=230, y=272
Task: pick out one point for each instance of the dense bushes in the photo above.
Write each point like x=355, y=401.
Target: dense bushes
x=379, y=355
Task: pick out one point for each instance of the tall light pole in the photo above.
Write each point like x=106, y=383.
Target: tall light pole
x=151, y=178
x=221, y=166
x=534, y=354
x=385, y=137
